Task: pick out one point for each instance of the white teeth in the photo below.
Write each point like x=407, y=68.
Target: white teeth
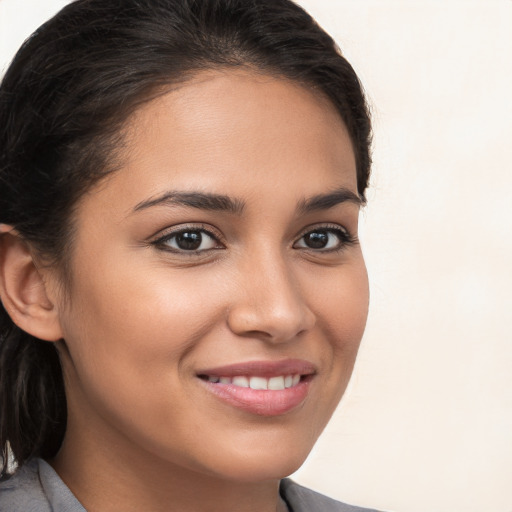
x=276, y=383
x=241, y=381
x=258, y=383
x=273, y=383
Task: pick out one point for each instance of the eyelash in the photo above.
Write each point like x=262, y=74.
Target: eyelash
x=345, y=239
x=162, y=242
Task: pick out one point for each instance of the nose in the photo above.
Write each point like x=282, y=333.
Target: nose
x=270, y=304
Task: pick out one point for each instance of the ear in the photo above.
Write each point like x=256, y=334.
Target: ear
x=23, y=289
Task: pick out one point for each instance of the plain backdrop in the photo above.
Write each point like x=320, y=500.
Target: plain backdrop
x=426, y=425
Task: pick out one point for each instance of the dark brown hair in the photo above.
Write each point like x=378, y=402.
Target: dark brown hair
x=63, y=102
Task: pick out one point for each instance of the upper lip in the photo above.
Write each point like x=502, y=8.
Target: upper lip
x=262, y=368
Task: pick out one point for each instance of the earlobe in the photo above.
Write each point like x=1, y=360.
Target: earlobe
x=23, y=289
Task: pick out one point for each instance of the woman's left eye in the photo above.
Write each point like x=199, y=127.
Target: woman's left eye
x=324, y=239
x=189, y=240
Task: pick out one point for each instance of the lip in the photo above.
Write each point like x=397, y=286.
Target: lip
x=261, y=402
x=265, y=369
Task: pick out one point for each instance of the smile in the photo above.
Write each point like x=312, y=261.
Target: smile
x=273, y=383
x=261, y=388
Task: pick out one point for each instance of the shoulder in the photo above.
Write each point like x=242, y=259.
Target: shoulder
x=301, y=499
x=23, y=491
x=36, y=487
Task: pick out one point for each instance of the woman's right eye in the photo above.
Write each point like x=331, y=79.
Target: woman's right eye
x=189, y=240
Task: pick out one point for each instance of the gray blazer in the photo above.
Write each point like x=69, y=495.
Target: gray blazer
x=36, y=487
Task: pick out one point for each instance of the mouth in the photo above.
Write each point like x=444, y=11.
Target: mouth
x=276, y=383
x=261, y=388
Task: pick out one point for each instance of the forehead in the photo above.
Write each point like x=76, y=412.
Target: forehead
x=232, y=132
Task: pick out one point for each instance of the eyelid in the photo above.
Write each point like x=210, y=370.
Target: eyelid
x=165, y=234
x=347, y=238
x=319, y=226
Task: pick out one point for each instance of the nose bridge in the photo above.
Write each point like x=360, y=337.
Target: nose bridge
x=271, y=302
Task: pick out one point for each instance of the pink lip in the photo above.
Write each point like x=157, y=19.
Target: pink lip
x=262, y=368
x=262, y=402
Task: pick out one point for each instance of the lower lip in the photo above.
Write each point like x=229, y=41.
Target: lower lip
x=261, y=402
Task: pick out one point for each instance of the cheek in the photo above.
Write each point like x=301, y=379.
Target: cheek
x=129, y=339
x=340, y=299
x=146, y=308
x=342, y=314
x=341, y=305
x=130, y=330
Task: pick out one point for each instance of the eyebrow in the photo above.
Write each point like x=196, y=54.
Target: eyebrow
x=223, y=203
x=329, y=200
x=200, y=200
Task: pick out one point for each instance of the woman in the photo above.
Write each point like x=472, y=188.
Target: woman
x=182, y=286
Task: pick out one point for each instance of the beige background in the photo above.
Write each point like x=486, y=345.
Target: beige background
x=427, y=423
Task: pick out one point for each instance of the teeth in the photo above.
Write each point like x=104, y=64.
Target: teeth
x=241, y=381
x=273, y=383
x=276, y=383
x=258, y=383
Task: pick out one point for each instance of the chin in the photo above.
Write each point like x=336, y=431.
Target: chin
x=251, y=467
x=252, y=473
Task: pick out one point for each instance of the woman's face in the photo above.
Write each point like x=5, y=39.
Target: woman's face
x=222, y=258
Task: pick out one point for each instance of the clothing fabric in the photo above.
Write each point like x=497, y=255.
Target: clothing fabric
x=301, y=499
x=36, y=487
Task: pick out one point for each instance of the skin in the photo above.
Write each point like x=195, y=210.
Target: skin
x=139, y=319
